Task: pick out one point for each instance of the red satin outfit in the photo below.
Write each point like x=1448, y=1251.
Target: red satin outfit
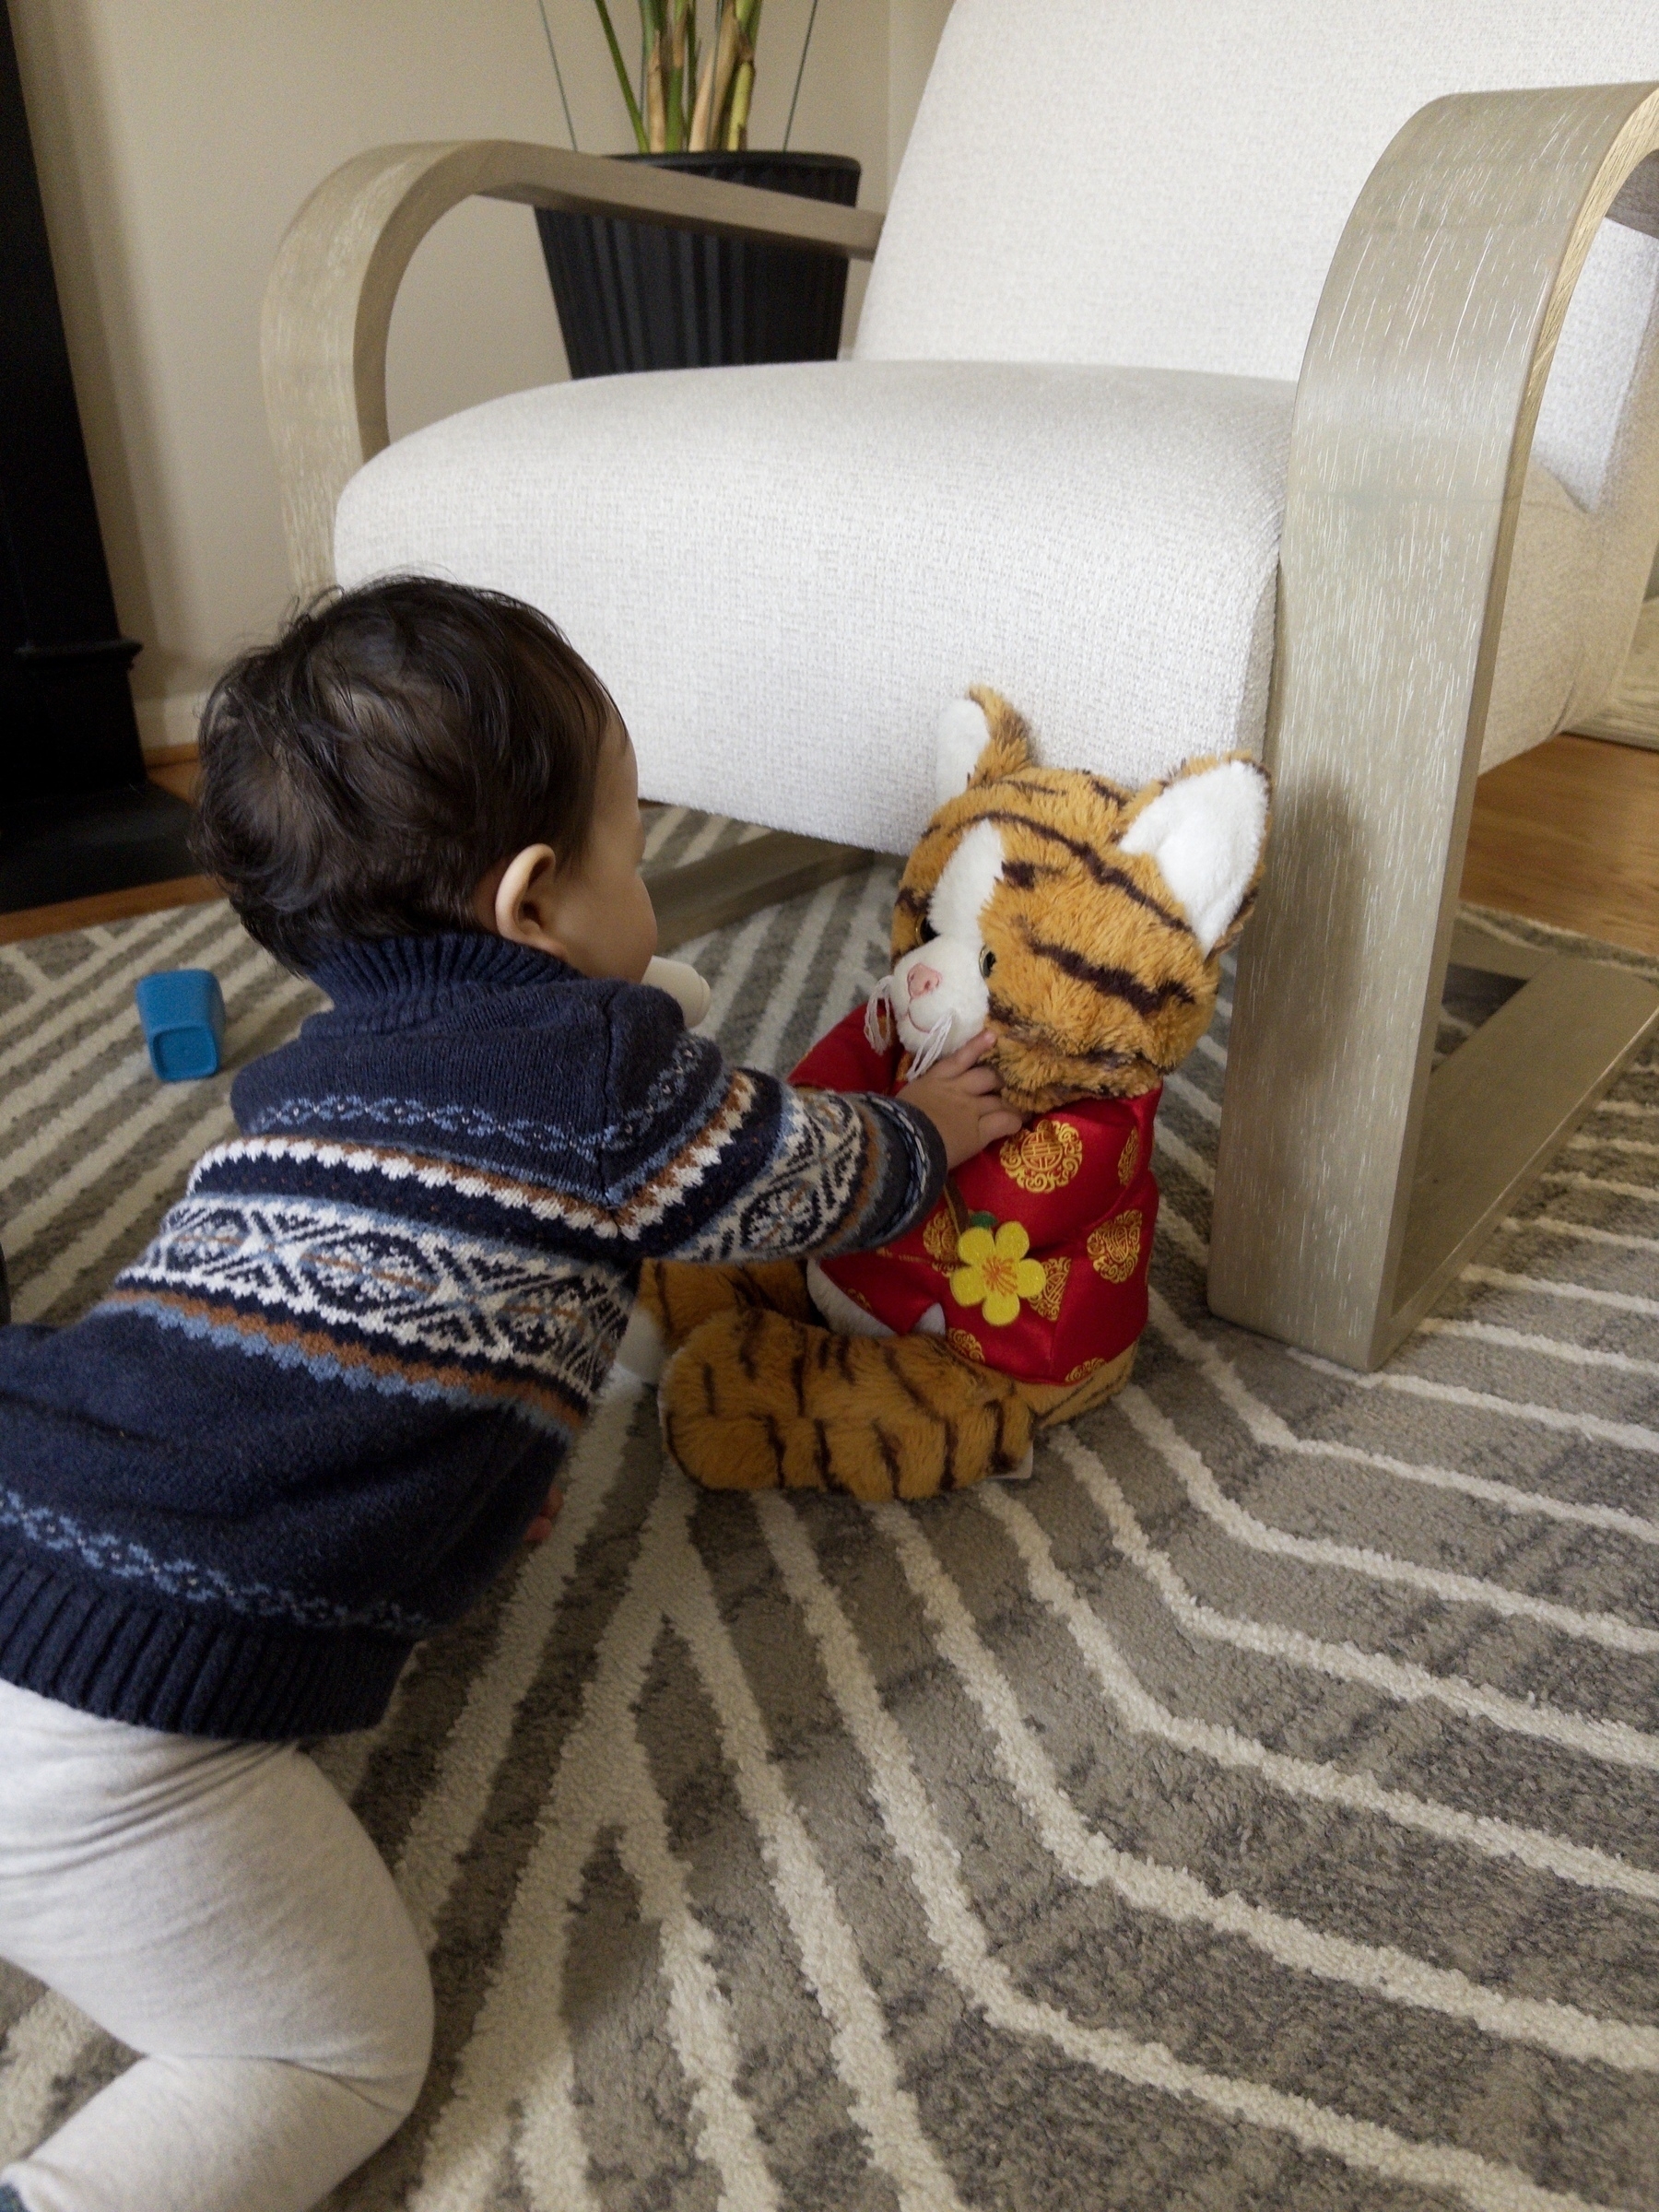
x=1077, y=1181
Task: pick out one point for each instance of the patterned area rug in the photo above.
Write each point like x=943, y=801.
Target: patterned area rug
x=1255, y=1809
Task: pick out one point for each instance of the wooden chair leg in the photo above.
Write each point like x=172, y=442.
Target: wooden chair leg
x=1351, y=1181
x=1491, y=1116
x=1504, y=1103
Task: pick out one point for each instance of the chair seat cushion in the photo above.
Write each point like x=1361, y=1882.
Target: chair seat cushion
x=784, y=573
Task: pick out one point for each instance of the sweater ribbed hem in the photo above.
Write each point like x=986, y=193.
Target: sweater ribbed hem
x=174, y=1668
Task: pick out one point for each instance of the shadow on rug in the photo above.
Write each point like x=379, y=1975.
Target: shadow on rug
x=1255, y=1809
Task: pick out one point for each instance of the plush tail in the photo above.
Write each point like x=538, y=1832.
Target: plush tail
x=753, y=1401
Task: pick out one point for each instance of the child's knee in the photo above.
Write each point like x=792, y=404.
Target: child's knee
x=404, y=2046
x=411, y=2046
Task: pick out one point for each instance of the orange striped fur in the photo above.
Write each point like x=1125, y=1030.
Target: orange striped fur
x=1099, y=989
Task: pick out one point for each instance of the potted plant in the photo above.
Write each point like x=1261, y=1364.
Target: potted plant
x=637, y=295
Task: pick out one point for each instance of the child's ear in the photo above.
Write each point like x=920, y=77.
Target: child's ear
x=522, y=904
x=979, y=739
x=1206, y=830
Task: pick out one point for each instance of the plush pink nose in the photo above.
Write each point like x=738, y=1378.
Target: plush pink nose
x=921, y=981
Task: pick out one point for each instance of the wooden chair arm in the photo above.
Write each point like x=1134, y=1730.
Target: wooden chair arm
x=328, y=303
x=1412, y=431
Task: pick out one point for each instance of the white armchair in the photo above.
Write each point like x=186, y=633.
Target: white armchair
x=1222, y=395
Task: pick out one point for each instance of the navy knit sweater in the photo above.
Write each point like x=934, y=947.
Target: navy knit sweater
x=313, y=1420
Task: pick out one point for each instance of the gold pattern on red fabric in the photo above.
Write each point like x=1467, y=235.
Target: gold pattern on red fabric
x=995, y=1295
x=1047, y=1301
x=939, y=1239
x=1084, y=1369
x=1044, y=1156
x=1114, y=1247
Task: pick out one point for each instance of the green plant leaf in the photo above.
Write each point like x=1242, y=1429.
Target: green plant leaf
x=622, y=77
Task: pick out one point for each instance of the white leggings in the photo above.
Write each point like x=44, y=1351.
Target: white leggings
x=217, y=1907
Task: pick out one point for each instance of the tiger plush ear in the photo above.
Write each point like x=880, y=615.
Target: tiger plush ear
x=979, y=739
x=1205, y=829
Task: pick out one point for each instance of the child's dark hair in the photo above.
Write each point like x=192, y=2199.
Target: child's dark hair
x=360, y=776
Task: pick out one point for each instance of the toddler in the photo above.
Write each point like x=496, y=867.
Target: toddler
x=319, y=1413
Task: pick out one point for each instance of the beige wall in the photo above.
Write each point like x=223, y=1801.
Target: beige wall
x=175, y=138
x=914, y=29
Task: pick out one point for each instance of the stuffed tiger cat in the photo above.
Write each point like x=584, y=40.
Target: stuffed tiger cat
x=1083, y=925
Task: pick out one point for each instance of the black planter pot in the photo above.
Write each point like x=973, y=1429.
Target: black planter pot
x=642, y=296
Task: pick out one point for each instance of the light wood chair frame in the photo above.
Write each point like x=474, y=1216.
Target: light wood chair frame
x=1352, y=1181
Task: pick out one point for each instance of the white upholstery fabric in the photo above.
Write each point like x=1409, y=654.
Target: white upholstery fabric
x=1598, y=428
x=847, y=545
x=1585, y=540
x=785, y=573
x=1105, y=180
x=1550, y=609
x=1058, y=463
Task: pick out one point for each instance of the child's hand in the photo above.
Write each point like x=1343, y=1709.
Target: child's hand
x=962, y=1098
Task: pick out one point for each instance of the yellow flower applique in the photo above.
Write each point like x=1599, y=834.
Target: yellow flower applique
x=996, y=1274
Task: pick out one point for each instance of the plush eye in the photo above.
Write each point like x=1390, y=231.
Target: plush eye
x=928, y=931
x=987, y=961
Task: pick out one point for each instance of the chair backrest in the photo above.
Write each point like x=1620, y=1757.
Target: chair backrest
x=1162, y=183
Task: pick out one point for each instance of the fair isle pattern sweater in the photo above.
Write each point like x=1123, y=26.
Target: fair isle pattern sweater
x=313, y=1420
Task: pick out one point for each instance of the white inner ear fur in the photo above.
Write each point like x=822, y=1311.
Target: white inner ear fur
x=1205, y=834
x=966, y=880
x=958, y=742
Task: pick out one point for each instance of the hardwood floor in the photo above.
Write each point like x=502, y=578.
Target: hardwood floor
x=109, y=906
x=175, y=771
x=1569, y=834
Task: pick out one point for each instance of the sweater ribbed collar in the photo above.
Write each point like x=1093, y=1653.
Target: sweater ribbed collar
x=391, y=975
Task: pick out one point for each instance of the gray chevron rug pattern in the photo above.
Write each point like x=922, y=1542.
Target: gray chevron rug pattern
x=1255, y=1809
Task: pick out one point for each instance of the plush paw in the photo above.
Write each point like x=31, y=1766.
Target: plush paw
x=642, y=1352
x=1019, y=1472
x=681, y=981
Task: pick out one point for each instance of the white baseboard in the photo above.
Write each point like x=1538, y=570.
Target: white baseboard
x=166, y=724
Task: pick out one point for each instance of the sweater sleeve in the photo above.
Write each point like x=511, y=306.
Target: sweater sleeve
x=743, y=1166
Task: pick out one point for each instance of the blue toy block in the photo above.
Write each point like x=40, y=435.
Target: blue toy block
x=182, y=1010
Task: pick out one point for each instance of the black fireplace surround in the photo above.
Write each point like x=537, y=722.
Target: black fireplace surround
x=76, y=815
